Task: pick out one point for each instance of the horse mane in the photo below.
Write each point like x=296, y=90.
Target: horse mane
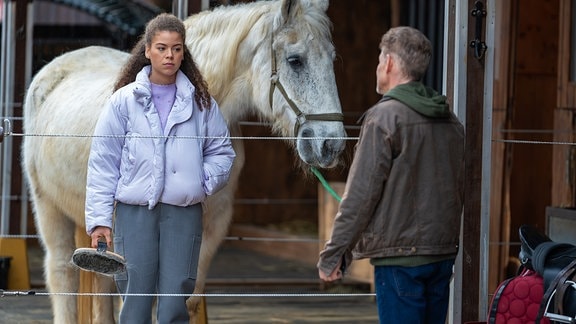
x=211, y=35
x=216, y=36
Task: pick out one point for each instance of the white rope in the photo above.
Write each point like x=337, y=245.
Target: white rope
x=534, y=142
x=262, y=138
x=228, y=238
x=182, y=137
x=248, y=238
x=4, y=293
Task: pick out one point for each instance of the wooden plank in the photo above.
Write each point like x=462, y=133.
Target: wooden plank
x=566, y=89
x=202, y=315
x=450, y=54
x=564, y=174
x=473, y=179
x=502, y=52
x=498, y=253
x=84, y=305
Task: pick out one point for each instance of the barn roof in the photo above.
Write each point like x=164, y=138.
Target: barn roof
x=128, y=15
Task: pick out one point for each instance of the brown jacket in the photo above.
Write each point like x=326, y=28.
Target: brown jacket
x=404, y=193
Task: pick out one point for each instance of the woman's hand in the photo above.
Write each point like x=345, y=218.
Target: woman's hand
x=101, y=231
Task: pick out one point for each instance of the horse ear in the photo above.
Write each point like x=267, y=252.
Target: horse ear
x=290, y=8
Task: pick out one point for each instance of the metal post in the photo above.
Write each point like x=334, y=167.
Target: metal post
x=486, y=157
x=6, y=99
x=183, y=8
x=180, y=8
x=461, y=48
x=3, y=67
x=205, y=4
x=459, y=106
x=27, y=79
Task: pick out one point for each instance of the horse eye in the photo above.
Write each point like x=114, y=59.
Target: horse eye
x=295, y=61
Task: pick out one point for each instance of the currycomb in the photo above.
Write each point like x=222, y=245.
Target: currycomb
x=99, y=260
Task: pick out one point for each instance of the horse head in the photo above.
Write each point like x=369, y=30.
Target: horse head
x=303, y=95
x=275, y=57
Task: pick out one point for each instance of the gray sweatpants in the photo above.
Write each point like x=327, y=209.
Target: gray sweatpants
x=161, y=248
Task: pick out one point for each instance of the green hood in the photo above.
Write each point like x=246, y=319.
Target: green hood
x=421, y=98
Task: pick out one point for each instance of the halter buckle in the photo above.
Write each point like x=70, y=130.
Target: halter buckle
x=301, y=119
x=274, y=78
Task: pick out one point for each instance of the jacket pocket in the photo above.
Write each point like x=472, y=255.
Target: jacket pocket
x=194, y=257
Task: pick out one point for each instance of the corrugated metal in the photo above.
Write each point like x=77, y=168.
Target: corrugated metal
x=428, y=17
x=128, y=16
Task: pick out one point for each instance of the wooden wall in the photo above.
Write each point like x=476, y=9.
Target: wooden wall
x=533, y=103
x=499, y=225
x=564, y=177
x=525, y=97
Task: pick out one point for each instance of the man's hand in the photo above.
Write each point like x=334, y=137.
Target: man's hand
x=335, y=275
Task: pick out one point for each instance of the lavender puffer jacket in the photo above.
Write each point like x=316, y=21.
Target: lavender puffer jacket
x=133, y=161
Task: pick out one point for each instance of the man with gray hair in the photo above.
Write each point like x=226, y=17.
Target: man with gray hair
x=403, y=198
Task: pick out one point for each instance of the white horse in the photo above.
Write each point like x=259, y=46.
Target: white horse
x=272, y=58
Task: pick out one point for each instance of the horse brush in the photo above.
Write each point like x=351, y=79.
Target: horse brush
x=99, y=260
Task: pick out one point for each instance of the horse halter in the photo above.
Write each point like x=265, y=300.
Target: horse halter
x=301, y=117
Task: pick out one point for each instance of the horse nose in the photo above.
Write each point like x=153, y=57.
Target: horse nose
x=307, y=132
x=334, y=146
x=328, y=146
x=322, y=150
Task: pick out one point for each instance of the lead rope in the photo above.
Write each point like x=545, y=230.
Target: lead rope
x=325, y=183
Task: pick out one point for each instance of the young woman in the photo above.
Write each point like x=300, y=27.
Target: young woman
x=160, y=147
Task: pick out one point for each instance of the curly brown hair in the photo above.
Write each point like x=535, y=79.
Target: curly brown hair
x=137, y=60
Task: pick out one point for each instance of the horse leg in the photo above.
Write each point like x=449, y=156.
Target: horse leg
x=217, y=219
x=57, y=236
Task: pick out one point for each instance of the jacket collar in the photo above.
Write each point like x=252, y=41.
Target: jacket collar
x=183, y=104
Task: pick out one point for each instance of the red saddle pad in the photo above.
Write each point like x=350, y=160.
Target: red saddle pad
x=517, y=300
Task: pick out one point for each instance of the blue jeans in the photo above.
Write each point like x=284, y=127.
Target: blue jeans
x=414, y=295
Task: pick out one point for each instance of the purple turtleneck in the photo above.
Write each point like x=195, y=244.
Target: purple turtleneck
x=163, y=96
